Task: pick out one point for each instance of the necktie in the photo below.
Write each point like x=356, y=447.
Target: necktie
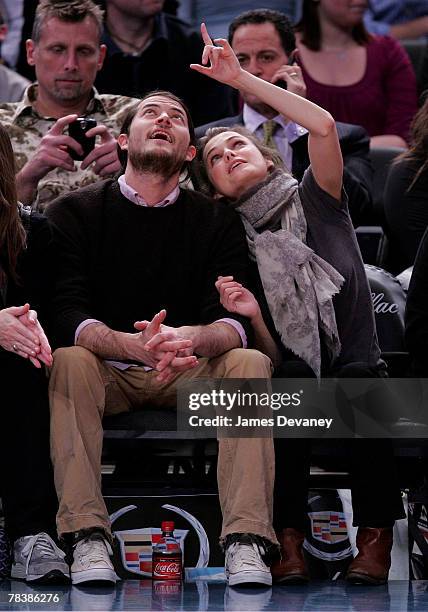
x=269, y=129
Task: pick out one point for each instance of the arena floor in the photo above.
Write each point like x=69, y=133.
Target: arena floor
x=396, y=596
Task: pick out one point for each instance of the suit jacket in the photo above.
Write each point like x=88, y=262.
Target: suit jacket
x=357, y=176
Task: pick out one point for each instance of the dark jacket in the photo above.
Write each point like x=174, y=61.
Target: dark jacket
x=164, y=64
x=355, y=146
x=417, y=312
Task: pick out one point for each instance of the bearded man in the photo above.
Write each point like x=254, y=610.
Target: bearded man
x=142, y=248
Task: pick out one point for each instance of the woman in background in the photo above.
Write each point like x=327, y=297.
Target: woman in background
x=359, y=78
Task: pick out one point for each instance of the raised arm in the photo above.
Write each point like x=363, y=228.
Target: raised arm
x=323, y=143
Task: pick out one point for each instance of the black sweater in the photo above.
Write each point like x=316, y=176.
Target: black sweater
x=120, y=262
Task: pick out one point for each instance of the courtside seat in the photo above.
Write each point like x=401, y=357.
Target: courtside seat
x=372, y=238
x=404, y=278
x=415, y=50
x=146, y=450
x=389, y=303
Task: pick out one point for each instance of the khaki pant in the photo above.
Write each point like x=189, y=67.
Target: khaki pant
x=83, y=388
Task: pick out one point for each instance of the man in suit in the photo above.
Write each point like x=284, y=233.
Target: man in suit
x=264, y=43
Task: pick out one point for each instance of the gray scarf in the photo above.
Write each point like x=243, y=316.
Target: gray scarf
x=298, y=284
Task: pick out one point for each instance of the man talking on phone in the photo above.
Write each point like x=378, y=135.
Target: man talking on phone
x=264, y=43
x=66, y=52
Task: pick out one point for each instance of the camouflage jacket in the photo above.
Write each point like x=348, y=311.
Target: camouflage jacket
x=26, y=129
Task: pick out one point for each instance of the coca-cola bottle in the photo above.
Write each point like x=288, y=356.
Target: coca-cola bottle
x=167, y=560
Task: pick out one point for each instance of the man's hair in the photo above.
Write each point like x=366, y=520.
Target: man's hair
x=70, y=11
x=199, y=171
x=310, y=29
x=280, y=21
x=129, y=117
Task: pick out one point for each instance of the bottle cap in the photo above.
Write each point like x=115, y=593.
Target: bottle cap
x=167, y=526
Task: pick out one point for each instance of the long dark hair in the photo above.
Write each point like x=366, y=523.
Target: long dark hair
x=418, y=150
x=309, y=27
x=12, y=233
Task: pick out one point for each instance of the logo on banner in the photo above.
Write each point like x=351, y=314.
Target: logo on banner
x=136, y=545
x=328, y=527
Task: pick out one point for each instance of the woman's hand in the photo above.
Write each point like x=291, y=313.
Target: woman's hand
x=30, y=320
x=21, y=333
x=235, y=298
x=224, y=65
x=15, y=336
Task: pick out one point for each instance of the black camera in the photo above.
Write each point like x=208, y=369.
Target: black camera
x=77, y=130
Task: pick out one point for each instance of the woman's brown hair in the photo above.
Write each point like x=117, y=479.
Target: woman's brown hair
x=12, y=233
x=309, y=27
x=199, y=173
x=418, y=150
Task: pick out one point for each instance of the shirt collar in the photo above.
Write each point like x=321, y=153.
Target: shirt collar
x=130, y=194
x=253, y=120
x=26, y=106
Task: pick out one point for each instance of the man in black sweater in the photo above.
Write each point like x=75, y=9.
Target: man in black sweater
x=129, y=249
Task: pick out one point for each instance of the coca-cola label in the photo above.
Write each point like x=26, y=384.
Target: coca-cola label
x=167, y=569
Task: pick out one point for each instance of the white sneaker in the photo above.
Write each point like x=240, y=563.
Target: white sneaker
x=38, y=558
x=91, y=560
x=244, y=562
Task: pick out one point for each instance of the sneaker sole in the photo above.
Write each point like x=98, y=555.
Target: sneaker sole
x=94, y=575
x=248, y=578
x=18, y=572
x=53, y=577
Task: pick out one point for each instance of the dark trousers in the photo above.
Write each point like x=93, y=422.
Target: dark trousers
x=376, y=497
x=26, y=481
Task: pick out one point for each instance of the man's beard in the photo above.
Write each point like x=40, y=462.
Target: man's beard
x=66, y=94
x=162, y=163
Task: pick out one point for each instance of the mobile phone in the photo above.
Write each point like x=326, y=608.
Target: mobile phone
x=281, y=83
x=291, y=61
x=77, y=130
